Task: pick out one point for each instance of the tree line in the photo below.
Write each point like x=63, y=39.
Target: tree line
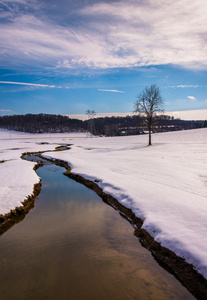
x=109, y=126
x=39, y=123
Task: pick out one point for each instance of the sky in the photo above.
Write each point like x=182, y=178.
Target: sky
x=66, y=56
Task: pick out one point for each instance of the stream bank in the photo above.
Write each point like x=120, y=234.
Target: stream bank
x=183, y=271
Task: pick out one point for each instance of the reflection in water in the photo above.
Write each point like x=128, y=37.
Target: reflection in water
x=73, y=246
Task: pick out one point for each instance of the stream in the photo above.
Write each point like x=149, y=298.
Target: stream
x=74, y=246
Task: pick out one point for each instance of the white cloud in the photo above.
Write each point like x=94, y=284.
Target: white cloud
x=184, y=115
x=186, y=86
x=5, y=110
x=114, y=91
x=165, y=32
x=28, y=84
x=192, y=98
x=14, y=1
x=189, y=114
x=117, y=34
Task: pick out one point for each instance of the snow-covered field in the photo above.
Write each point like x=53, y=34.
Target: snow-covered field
x=164, y=184
x=17, y=176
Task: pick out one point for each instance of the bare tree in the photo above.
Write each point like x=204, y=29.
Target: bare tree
x=149, y=103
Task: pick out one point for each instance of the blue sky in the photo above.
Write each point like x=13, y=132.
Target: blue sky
x=65, y=57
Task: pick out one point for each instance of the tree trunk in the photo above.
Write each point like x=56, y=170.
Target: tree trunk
x=150, y=130
x=150, y=143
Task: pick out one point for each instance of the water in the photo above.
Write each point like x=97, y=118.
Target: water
x=74, y=246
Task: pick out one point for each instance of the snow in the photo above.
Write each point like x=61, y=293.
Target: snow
x=17, y=176
x=164, y=184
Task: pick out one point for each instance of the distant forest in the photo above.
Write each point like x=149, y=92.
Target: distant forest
x=109, y=126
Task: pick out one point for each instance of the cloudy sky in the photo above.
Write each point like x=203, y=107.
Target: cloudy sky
x=68, y=56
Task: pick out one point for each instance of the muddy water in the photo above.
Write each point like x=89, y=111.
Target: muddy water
x=74, y=246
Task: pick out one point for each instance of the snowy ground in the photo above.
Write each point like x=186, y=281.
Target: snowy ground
x=165, y=184
x=16, y=175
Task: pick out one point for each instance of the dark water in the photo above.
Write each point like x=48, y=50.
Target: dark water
x=73, y=246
